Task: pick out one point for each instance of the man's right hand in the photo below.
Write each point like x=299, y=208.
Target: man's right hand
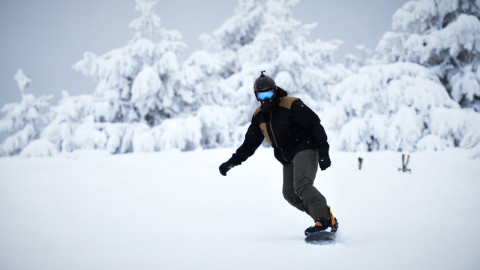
x=225, y=167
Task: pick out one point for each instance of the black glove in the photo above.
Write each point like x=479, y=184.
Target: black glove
x=225, y=167
x=324, y=162
x=323, y=157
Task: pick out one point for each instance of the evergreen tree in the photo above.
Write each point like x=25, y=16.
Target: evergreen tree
x=260, y=35
x=414, y=100
x=443, y=35
x=24, y=121
x=136, y=82
x=69, y=115
x=263, y=35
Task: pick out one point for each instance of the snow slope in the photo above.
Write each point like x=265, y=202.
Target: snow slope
x=173, y=210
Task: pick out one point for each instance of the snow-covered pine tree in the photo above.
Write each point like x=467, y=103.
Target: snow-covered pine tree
x=23, y=122
x=138, y=90
x=260, y=35
x=263, y=35
x=403, y=105
x=73, y=126
x=136, y=82
x=443, y=35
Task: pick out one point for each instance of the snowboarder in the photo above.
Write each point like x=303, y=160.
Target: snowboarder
x=299, y=142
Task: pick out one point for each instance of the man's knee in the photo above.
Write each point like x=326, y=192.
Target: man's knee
x=293, y=199
x=301, y=185
x=289, y=195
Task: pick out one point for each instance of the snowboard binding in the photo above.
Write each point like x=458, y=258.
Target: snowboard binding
x=322, y=224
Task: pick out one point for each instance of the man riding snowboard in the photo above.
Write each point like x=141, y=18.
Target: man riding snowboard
x=299, y=142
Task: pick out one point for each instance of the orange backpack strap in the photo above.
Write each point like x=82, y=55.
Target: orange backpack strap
x=257, y=111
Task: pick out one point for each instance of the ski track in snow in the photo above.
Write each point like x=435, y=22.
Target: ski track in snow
x=173, y=210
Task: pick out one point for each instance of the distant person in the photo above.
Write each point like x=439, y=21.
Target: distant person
x=299, y=142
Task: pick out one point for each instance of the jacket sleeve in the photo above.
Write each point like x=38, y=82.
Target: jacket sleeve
x=309, y=120
x=253, y=139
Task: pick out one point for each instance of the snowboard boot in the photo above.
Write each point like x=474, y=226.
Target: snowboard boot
x=322, y=224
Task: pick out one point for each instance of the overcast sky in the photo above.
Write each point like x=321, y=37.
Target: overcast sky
x=46, y=38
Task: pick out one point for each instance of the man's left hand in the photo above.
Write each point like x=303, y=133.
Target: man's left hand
x=323, y=157
x=324, y=162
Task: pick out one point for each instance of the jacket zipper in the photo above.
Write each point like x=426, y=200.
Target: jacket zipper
x=274, y=139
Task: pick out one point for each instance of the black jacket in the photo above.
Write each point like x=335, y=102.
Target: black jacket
x=290, y=128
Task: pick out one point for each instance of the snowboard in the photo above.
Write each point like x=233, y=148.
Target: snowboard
x=322, y=237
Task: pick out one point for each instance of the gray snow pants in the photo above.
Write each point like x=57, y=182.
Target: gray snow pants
x=298, y=189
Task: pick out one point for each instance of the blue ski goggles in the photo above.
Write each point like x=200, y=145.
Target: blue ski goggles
x=265, y=94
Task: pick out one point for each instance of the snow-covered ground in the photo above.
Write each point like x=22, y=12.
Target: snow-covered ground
x=173, y=210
